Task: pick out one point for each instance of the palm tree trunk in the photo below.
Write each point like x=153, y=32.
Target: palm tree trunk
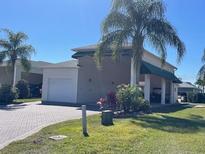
x=133, y=77
x=14, y=74
x=135, y=69
x=136, y=62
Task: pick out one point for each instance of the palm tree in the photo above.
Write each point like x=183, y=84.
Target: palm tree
x=201, y=73
x=13, y=48
x=201, y=83
x=138, y=22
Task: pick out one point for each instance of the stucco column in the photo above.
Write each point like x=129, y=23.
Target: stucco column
x=175, y=92
x=133, y=77
x=147, y=87
x=163, y=90
x=172, y=101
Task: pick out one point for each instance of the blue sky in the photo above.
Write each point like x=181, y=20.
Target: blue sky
x=56, y=26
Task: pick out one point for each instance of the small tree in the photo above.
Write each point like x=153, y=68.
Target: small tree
x=23, y=89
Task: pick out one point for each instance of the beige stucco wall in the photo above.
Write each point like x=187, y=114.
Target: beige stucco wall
x=94, y=83
x=150, y=58
x=5, y=75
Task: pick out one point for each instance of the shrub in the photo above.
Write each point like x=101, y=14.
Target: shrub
x=23, y=89
x=200, y=98
x=35, y=90
x=124, y=96
x=7, y=94
x=131, y=98
x=111, y=100
x=196, y=97
x=191, y=97
x=145, y=106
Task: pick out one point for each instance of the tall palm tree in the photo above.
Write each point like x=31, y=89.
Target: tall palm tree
x=137, y=22
x=13, y=48
x=200, y=83
x=201, y=73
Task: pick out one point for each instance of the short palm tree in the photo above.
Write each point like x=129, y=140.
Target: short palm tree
x=137, y=22
x=13, y=48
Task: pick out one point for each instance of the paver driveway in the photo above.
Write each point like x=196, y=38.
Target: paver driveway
x=20, y=121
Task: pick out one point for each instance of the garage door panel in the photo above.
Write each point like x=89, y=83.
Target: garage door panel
x=61, y=90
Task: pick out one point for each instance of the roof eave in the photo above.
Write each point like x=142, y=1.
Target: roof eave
x=86, y=49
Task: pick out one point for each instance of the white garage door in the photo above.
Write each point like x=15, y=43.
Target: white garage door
x=61, y=90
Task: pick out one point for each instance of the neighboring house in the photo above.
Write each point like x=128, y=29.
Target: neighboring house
x=80, y=81
x=34, y=76
x=185, y=88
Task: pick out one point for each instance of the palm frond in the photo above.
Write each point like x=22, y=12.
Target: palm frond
x=124, y=6
x=2, y=56
x=201, y=73
x=25, y=62
x=155, y=9
x=116, y=21
x=159, y=45
x=203, y=57
x=8, y=32
x=5, y=44
x=25, y=50
x=112, y=40
x=164, y=30
x=21, y=36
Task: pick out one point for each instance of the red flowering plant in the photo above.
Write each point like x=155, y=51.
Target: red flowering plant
x=109, y=103
x=101, y=102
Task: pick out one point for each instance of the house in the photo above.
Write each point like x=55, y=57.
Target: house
x=80, y=81
x=185, y=88
x=34, y=76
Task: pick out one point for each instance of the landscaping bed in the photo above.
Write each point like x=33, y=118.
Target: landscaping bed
x=173, y=129
x=27, y=100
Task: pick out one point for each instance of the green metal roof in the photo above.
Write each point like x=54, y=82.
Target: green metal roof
x=82, y=54
x=146, y=68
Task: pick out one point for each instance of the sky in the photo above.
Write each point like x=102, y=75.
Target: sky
x=55, y=27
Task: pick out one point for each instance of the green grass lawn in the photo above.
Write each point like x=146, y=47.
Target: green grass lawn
x=177, y=130
x=27, y=100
